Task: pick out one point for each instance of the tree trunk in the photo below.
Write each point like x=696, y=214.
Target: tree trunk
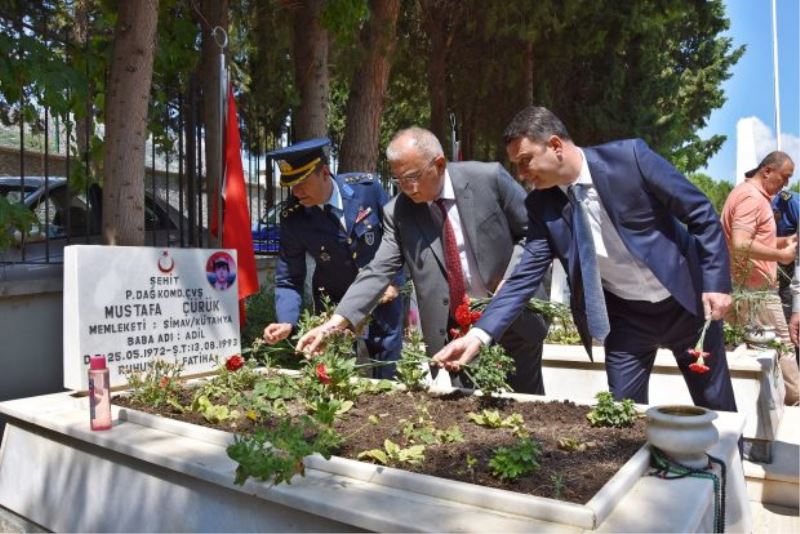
x=435, y=23
x=529, y=65
x=216, y=14
x=368, y=89
x=128, y=96
x=84, y=127
x=311, y=71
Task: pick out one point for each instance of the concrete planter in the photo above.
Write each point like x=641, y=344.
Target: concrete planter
x=154, y=474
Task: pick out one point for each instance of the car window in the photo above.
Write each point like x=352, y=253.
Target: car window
x=12, y=193
x=58, y=218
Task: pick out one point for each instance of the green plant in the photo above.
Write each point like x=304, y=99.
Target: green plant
x=15, y=220
x=412, y=366
x=573, y=445
x=493, y=419
x=278, y=453
x=213, y=413
x=393, y=454
x=160, y=385
x=558, y=485
x=490, y=369
x=512, y=463
x=421, y=429
x=609, y=413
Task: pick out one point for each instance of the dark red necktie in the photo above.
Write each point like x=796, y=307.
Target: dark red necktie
x=452, y=261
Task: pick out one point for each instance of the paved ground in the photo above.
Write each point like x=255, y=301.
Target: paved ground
x=11, y=522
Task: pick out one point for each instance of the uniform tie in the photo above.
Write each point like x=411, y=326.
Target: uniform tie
x=594, y=301
x=452, y=261
x=333, y=214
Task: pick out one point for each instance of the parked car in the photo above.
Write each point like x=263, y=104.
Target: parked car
x=63, y=219
x=267, y=232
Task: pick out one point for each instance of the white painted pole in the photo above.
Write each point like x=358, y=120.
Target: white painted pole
x=775, y=70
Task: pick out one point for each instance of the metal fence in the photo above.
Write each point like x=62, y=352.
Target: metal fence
x=43, y=168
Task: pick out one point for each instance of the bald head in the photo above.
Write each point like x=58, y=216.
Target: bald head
x=416, y=139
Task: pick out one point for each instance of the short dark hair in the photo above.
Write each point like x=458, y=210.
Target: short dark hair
x=775, y=159
x=221, y=263
x=536, y=123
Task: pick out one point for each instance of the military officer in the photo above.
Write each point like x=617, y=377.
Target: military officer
x=338, y=221
x=785, y=206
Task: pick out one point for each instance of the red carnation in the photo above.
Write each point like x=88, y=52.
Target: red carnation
x=322, y=374
x=699, y=367
x=164, y=382
x=463, y=315
x=234, y=363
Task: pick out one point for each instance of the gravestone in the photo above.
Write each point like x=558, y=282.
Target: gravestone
x=134, y=305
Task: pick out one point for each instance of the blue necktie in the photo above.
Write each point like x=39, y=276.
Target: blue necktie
x=594, y=301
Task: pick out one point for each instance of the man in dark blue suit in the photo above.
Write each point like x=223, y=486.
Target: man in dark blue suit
x=337, y=221
x=644, y=250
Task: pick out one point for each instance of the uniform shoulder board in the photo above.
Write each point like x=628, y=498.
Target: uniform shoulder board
x=786, y=195
x=288, y=207
x=359, y=178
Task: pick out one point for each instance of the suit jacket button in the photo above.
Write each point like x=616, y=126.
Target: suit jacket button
x=349, y=241
x=441, y=331
x=446, y=302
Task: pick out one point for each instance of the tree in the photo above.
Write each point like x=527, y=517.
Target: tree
x=128, y=93
x=717, y=192
x=311, y=70
x=368, y=88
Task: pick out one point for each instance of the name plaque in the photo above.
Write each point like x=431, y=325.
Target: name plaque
x=133, y=305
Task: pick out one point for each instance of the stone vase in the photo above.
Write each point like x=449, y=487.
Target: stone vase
x=685, y=433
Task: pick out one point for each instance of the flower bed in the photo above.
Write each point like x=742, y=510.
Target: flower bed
x=544, y=449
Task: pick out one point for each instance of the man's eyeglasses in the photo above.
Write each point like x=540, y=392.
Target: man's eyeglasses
x=414, y=177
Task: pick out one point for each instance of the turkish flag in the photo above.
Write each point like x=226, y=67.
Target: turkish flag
x=235, y=218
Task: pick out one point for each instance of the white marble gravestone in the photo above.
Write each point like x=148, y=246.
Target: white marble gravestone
x=134, y=305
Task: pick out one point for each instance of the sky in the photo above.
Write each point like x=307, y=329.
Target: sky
x=750, y=89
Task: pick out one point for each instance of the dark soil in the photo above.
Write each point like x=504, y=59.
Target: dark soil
x=573, y=476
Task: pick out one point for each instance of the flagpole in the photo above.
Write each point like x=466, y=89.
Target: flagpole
x=775, y=71
x=219, y=33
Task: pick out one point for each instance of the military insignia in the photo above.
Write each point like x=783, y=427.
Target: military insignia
x=362, y=214
x=369, y=237
x=284, y=166
x=357, y=178
x=324, y=257
x=786, y=195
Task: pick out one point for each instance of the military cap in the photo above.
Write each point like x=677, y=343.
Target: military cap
x=299, y=160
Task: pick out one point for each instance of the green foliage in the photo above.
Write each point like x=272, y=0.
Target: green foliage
x=411, y=368
x=393, y=454
x=493, y=419
x=716, y=192
x=420, y=429
x=512, y=463
x=573, y=445
x=260, y=311
x=490, y=369
x=160, y=385
x=558, y=485
x=213, y=413
x=609, y=413
x=15, y=220
x=277, y=454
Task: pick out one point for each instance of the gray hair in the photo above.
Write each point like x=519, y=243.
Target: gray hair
x=423, y=140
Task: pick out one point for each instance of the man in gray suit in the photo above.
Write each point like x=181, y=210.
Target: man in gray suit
x=459, y=228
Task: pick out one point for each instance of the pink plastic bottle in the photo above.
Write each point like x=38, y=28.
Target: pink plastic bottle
x=99, y=394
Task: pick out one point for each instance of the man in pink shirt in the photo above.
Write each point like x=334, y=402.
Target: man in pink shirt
x=751, y=232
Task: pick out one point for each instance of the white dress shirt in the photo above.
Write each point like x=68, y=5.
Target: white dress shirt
x=476, y=288
x=622, y=273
